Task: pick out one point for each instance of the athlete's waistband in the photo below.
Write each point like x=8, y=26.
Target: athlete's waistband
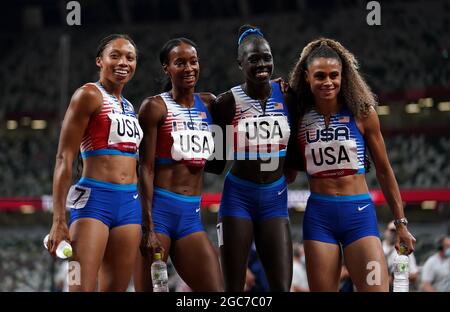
x=181, y=197
x=105, y=151
x=251, y=184
x=108, y=185
x=164, y=161
x=345, y=198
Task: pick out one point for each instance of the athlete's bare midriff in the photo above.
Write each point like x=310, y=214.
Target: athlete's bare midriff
x=179, y=178
x=342, y=186
x=257, y=171
x=111, y=168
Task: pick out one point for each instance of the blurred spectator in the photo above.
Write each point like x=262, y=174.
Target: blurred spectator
x=436, y=270
x=61, y=276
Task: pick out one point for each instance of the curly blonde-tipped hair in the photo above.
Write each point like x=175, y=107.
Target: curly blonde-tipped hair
x=354, y=90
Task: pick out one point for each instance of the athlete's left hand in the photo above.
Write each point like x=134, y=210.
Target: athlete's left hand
x=290, y=175
x=404, y=237
x=150, y=244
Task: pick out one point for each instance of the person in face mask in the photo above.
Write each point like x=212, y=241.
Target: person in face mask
x=436, y=270
x=388, y=244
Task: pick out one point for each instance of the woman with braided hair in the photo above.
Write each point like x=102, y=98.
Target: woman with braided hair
x=337, y=121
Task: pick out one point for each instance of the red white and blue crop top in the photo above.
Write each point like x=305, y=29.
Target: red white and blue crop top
x=185, y=135
x=260, y=133
x=113, y=131
x=331, y=151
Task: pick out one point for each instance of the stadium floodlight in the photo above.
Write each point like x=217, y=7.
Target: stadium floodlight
x=444, y=106
x=383, y=110
x=428, y=205
x=412, y=108
x=38, y=124
x=11, y=124
x=426, y=102
x=25, y=121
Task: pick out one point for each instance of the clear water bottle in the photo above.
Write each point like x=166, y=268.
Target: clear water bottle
x=64, y=249
x=401, y=271
x=159, y=274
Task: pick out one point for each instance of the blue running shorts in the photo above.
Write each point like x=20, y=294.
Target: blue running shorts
x=113, y=204
x=175, y=215
x=339, y=219
x=249, y=200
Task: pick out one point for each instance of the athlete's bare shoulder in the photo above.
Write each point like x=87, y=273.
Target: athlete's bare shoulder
x=152, y=109
x=87, y=99
x=208, y=98
x=224, y=108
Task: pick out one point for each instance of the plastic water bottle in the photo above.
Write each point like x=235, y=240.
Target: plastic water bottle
x=159, y=274
x=64, y=249
x=401, y=271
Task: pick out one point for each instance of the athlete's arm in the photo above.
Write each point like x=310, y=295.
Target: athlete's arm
x=294, y=160
x=385, y=175
x=86, y=101
x=222, y=112
x=208, y=99
x=151, y=114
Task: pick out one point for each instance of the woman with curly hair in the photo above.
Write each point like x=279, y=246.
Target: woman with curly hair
x=338, y=120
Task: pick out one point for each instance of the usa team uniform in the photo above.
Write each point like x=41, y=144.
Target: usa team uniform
x=335, y=151
x=185, y=136
x=257, y=134
x=114, y=131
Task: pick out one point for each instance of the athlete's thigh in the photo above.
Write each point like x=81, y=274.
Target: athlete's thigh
x=89, y=239
x=236, y=237
x=197, y=262
x=120, y=255
x=366, y=264
x=274, y=245
x=323, y=265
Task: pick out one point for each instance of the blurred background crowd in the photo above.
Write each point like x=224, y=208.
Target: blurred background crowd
x=43, y=61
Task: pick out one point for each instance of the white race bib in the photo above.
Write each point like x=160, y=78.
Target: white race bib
x=331, y=156
x=219, y=234
x=191, y=144
x=263, y=131
x=124, y=129
x=78, y=196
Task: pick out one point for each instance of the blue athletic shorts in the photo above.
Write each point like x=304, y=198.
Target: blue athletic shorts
x=175, y=215
x=339, y=219
x=249, y=200
x=113, y=204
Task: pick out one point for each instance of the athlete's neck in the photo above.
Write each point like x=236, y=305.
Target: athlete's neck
x=184, y=97
x=327, y=107
x=112, y=88
x=258, y=91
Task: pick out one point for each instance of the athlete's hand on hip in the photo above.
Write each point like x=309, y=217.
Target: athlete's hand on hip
x=150, y=244
x=405, y=238
x=58, y=233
